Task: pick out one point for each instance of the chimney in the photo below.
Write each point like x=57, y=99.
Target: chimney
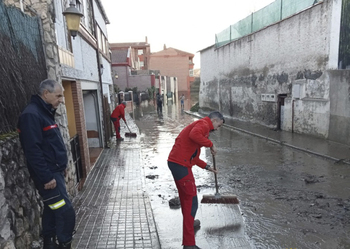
x=146, y=40
x=164, y=47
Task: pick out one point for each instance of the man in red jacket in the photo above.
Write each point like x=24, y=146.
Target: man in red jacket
x=184, y=154
x=117, y=114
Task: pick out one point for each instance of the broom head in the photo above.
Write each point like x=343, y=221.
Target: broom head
x=130, y=134
x=220, y=199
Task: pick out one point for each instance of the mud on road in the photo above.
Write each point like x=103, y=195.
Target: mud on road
x=288, y=198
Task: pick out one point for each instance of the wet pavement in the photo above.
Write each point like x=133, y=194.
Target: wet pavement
x=314, y=145
x=113, y=209
x=293, y=189
x=222, y=225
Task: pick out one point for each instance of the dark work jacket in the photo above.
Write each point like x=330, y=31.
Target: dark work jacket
x=41, y=141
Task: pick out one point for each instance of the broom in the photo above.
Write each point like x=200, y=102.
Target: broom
x=218, y=198
x=130, y=134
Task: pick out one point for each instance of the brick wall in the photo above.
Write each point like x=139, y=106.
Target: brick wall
x=81, y=129
x=174, y=66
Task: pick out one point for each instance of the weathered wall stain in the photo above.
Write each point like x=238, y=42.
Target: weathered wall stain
x=312, y=75
x=231, y=104
x=238, y=94
x=282, y=78
x=322, y=61
x=300, y=75
x=309, y=74
x=261, y=77
x=253, y=79
x=269, y=63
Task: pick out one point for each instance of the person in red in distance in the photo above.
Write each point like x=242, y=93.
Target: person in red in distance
x=184, y=154
x=117, y=114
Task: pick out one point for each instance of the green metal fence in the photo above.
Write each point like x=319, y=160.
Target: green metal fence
x=344, y=45
x=22, y=63
x=272, y=13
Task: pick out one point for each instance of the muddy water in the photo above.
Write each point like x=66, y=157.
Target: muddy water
x=288, y=199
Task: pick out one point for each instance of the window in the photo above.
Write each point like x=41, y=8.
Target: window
x=102, y=42
x=191, y=72
x=79, y=6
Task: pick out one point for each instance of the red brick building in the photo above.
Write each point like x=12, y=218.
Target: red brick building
x=177, y=63
x=128, y=57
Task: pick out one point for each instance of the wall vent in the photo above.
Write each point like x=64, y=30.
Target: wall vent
x=268, y=97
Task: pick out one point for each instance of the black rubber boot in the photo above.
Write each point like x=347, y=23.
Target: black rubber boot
x=67, y=245
x=191, y=247
x=50, y=242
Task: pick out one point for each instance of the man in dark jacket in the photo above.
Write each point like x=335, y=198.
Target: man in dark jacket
x=184, y=154
x=159, y=103
x=47, y=160
x=116, y=116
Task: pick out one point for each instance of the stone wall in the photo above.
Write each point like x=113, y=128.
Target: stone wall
x=45, y=10
x=20, y=205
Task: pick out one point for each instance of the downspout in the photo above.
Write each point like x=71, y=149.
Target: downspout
x=21, y=4
x=292, y=115
x=99, y=73
x=128, y=64
x=127, y=76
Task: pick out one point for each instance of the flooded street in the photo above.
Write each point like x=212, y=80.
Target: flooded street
x=288, y=198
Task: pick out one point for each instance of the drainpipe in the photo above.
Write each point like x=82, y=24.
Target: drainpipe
x=127, y=76
x=293, y=115
x=99, y=73
x=21, y=4
x=281, y=10
x=132, y=103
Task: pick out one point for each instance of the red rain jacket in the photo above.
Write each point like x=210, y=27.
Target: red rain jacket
x=119, y=112
x=188, y=143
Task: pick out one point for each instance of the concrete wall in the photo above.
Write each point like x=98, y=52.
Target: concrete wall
x=85, y=62
x=272, y=61
x=123, y=77
x=339, y=127
x=142, y=82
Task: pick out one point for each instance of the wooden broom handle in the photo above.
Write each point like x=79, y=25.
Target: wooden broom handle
x=216, y=178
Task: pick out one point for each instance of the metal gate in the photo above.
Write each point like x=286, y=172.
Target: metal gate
x=75, y=149
x=107, y=121
x=344, y=47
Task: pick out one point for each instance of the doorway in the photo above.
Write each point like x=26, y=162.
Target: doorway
x=280, y=110
x=93, y=124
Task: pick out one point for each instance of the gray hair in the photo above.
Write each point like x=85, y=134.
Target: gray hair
x=216, y=115
x=48, y=85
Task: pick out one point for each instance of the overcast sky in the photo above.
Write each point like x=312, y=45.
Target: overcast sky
x=187, y=25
